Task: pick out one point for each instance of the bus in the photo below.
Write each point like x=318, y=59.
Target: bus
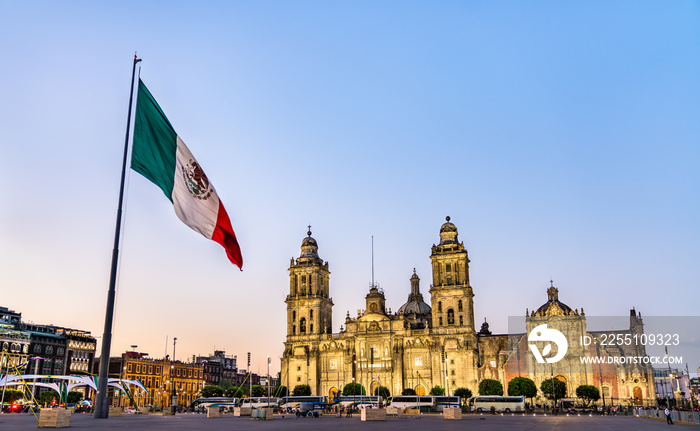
x=501, y=404
x=413, y=401
x=204, y=403
x=260, y=402
x=443, y=402
x=359, y=401
x=292, y=403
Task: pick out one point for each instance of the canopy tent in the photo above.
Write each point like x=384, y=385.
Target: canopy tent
x=65, y=384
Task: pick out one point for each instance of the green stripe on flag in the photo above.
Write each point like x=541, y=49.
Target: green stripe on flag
x=155, y=143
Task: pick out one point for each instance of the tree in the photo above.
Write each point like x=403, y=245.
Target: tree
x=382, y=391
x=408, y=391
x=280, y=391
x=463, y=394
x=588, y=394
x=74, y=397
x=558, y=392
x=490, y=387
x=47, y=397
x=258, y=391
x=212, y=391
x=232, y=392
x=522, y=387
x=353, y=389
x=12, y=395
x=301, y=390
x=437, y=390
x=225, y=384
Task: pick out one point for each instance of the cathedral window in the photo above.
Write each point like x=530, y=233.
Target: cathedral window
x=459, y=305
x=450, y=316
x=440, y=321
x=302, y=326
x=311, y=314
x=294, y=315
x=448, y=268
x=311, y=328
x=294, y=329
x=439, y=306
x=461, y=320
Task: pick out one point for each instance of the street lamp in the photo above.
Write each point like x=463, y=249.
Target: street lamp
x=173, y=394
x=268, y=382
x=554, y=391
x=354, y=370
x=354, y=391
x=602, y=391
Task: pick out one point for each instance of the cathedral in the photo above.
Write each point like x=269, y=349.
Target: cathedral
x=424, y=345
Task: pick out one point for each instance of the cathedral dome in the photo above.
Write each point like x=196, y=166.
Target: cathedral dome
x=448, y=227
x=309, y=246
x=309, y=242
x=448, y=232
x=554, y=307
x=415, y=304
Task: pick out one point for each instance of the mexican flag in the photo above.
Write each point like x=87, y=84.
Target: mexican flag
x=160, y=155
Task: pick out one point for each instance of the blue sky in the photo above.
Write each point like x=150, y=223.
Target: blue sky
x=561, y=138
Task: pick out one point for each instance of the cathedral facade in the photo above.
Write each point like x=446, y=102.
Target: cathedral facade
x=421, y=345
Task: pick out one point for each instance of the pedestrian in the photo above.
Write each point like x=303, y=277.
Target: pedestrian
x=668, y=416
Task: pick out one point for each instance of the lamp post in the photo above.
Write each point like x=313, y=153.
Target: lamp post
x=173, y=394
x=602, y=391
x=354, y=391
x=371, y=370
x=250, y=378
x=354, y=370
x=268, y=382
x=554, y=391
x=121, y=376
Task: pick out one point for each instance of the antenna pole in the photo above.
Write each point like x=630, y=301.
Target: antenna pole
x=372, y=260
x=102, y=402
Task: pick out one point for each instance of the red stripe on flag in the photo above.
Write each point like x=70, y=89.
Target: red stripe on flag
x=224, y=235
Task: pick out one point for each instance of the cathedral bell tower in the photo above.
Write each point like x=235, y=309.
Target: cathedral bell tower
x=309, y=307
x=309, y=317
x=451, y=293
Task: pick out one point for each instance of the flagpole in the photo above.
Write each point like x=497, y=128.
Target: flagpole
x=102, y=402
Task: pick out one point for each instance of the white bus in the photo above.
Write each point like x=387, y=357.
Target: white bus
x=292, y=403
x=442, y=402
x=359, y=401
x=260, y=402
x=412, y=401
x=225, y=402
x=501, y=404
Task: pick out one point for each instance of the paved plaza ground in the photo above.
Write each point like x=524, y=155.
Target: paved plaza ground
x=21, y=422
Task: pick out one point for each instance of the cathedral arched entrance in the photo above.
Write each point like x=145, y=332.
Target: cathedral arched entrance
x=566, y=385
x=373, y=387
x=637, y=396
x=420, y=390
x=333, y=393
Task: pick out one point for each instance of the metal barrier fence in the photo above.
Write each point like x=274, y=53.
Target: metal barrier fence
x=692, y=418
